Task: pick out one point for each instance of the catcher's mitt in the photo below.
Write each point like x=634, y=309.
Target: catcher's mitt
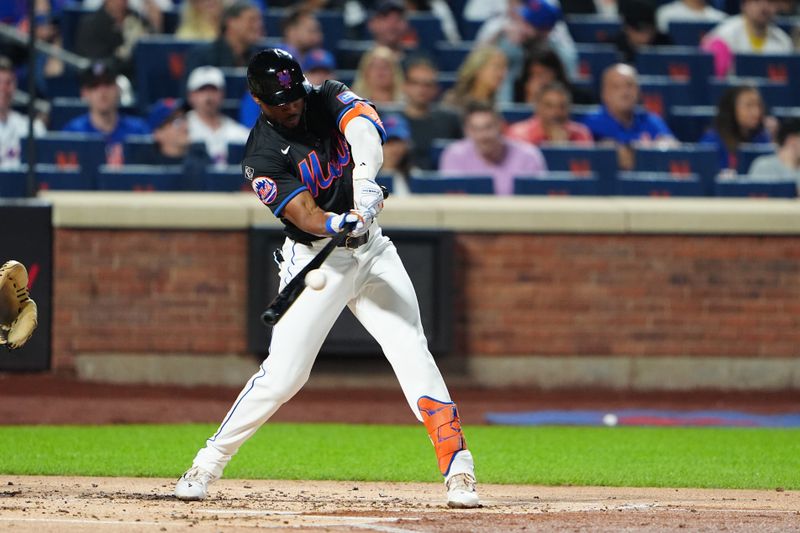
x=18, y=313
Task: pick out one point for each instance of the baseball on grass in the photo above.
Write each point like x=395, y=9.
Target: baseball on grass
x=610, y=419
x=315, y=280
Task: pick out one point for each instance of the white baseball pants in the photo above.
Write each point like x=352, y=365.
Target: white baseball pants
x=372, y=281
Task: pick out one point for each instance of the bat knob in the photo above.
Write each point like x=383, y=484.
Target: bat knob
x=269, y=317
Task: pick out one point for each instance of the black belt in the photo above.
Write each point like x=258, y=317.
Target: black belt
x=351, y=243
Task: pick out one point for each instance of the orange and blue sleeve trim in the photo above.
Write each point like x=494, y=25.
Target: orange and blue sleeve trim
x=361, y=109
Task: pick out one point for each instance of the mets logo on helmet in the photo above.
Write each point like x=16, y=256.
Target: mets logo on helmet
x=285, y=79
x=265, y=189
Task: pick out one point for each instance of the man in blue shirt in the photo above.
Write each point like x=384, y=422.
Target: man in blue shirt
x=99, y=90
x=620, y=122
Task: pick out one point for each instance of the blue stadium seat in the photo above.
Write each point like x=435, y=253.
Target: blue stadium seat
x=136, y=148
x=776, y=67
x=469, y=28
x=13, y=183
x=449, y=57
x=273, y=19
x=139, y=178
x=747, y=153
x=680, y=64
x=428, y=28
x=226, y=180
x=659, y=93
x=159, y=66
x=755, y=188
x=515, y=112
x=332, y=23
x=688, y=123
x=775, y=94
x=680, y=163
x=67, y=150
x=558, y=184
x=65, y=85
x=387, y=181
x=689, y=33
x=68, y=24
x=584, y=163
x=435, y=183
x=235, y=82
x=437, y=147
x=579, y=112
x=53, y=178
x=593, y=28
x=64, y=109
x=593, y=59
x=659, y=184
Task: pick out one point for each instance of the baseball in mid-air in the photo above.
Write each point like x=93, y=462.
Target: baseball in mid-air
x=316, y=280
x=610, y=419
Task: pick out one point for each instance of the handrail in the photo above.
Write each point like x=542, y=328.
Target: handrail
x=72, y=59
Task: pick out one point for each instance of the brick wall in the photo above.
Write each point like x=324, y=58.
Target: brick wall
x=130, y=291
x=629, y=295
x=148, y=292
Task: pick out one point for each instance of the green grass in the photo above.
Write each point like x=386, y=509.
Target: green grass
x=621, y=456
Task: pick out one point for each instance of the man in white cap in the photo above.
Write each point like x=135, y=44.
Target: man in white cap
x=205, y=90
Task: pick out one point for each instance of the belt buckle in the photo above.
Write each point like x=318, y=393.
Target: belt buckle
x=347, y=244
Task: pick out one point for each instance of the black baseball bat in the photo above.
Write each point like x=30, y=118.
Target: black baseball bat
x=295, y=287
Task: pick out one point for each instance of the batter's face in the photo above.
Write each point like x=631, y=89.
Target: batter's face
x=287, y=115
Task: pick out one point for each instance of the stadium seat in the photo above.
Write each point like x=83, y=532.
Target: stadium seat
x=159, y=66
x=332, y=23
x=68, y=23
x=435, y=183
x=747, y=153
x=235, y=82
x=68, y=151
x=139, y=178
x=13, y=183
x=428, y=28
x=579, y=112
x=659, y=184
x=558, y=184
x=680, y=64
x=775, y=67
x=593, y=28
x=469, y=28
x=53, y=178
x=387, y=181
x=599, y=163
x=659, y=93
x=688, y=123
x=681, y=163
x=689, y=33
x=65, y=85
x=774, y=93
x=229, y=179
x=515, y=112
x=449, y=57
x=755, y=188
x=437, y=147
x=593, y=59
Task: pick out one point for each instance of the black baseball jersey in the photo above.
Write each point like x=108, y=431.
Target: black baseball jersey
x=313, y=157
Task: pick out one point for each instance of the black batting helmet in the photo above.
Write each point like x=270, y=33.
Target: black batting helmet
x=275, y=77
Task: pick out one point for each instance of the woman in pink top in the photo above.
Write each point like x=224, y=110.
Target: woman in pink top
x=551, y=123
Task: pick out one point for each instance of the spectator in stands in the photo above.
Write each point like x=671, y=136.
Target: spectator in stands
x=13, y=126
x=100, y=91
x=739, y=119
x=206, y=90
x=686, y=11
x=620, y=122
x=319, y=65
x=200, y=20
x=301, y=33
x=426, y=120
x=752, y=32
x=167, y=120
x=397, y=153
x=110, y=33
x=479, y=78
x=379, y=77
x=150, y=10
x=551, y=123
x=241, y=30
x=785, y=163
x=542, y=67
x=485, y=152
x=389, y=27
x=638, y=29
x=535, y=24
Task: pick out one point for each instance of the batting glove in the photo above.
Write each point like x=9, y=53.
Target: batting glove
x=367, y=195
x=335, y=223
x=367, y=218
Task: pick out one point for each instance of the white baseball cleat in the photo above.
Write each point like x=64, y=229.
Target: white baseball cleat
x=461, y=492
x=193, y=484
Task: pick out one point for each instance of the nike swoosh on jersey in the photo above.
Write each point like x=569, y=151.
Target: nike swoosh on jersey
x=285, y=151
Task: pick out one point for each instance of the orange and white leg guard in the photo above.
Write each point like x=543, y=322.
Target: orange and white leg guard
x=444, y=428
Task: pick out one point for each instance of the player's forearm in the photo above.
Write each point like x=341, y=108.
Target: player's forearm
x=365, y=148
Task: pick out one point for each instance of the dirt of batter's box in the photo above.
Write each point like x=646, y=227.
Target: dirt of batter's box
x=72, y=504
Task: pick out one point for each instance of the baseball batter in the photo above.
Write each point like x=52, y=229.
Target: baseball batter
x=312, y=158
